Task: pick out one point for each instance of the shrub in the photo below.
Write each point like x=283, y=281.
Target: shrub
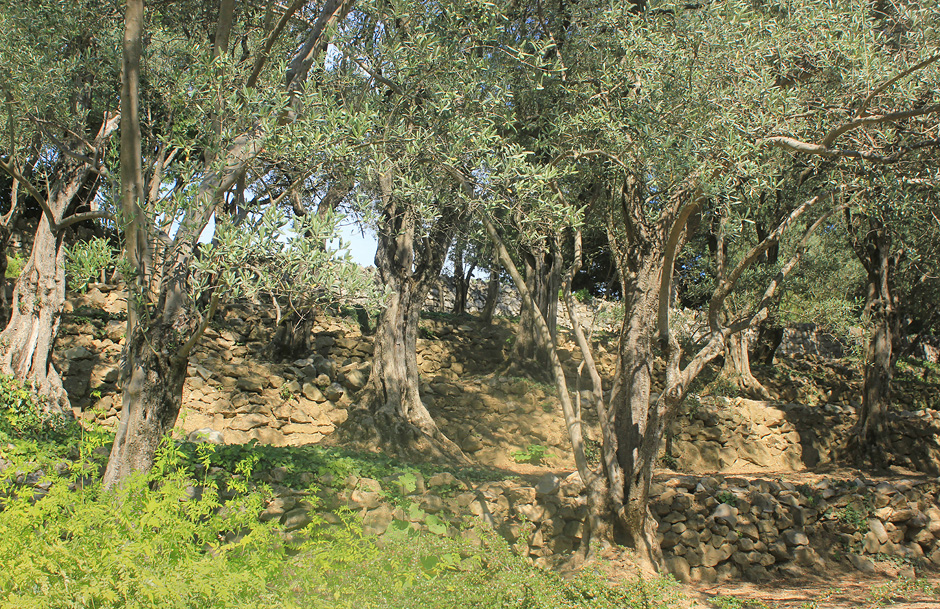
x=22, y=414
x=86, y=260
x=15, y=264
x=533, y=453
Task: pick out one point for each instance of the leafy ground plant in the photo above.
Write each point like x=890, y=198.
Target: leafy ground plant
x=172, y=539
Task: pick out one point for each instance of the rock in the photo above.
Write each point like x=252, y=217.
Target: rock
x=680, y=569
x=547, y=485
x=251, y=383
x=870, y=543
x=277, y=508
x=807, y=557
x=312, y=393
x=206, y=435
x=877, y=528
x=355, y=379
x=795, y=538
x=725, y=514
x=296, y=519
x=77, y=353
x=334, y=392
x=711, y=555
x=376, y=521
x=247, y=422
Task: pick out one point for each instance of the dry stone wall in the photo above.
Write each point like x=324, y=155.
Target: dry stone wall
x=740, y=435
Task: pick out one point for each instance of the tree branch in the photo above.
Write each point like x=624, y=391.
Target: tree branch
x=669, y=259
x=863, y=109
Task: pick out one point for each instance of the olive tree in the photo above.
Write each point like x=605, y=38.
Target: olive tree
x=215, y=124
x=657, y=121
x=58, y=83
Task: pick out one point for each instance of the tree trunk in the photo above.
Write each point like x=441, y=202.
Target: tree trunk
x=638, y=425
x=399, y=417
x=871, y=441
x=737, y=368
x=460, y=285
x=152, y=396
x=492, y=295
x=543, y=280
x=408, y=267
x=292, y=338
x=5, y=234
x=769, y=337
x=29, y=337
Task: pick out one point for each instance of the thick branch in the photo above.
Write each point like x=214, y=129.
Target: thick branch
x=265, y=51
x=726, y=284
x=669, y=260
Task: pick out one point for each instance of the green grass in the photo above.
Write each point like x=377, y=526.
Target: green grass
x=157, y=543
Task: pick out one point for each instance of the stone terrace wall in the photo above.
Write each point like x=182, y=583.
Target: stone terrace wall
x=739, y=435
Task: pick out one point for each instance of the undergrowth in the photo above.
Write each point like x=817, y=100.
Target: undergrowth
x=188, y=535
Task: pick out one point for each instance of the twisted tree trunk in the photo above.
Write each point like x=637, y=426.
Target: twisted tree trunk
x=151, y=399
x=871, y=440
x=737, y=368
x=393, y=411
x=39, y=293
x=38, y=297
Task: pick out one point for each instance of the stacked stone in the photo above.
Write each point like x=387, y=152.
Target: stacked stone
x=740, y=435
x=714, y=528
x=736, y=435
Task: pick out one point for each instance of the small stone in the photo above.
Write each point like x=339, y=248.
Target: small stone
x=296, y=519
x=795, y=538
x=547, y=485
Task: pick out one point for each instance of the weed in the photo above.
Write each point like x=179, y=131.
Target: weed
x=854, y=516
x=533, y=453
x=15, y=264
x=726, y=497
x=669, y=461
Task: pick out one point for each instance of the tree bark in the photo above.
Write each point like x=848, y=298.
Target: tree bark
x=396, y=416
x=163, y=322
x=39, y=292
x=492, y=295
x=152, y=397
x=638, y=425
x=871, y=440
x=737, y=368
x=38, y=297
x=543, y=280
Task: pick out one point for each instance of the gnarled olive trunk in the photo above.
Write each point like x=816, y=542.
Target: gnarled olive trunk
x=38, y=297
x=737, y=368
x=638, y=424
x=401, y=419
x=543, y=279
x=152, y=397
x=872, y=441
x=408, y=266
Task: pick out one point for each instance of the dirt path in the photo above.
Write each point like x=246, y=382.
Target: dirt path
x=835, y=591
